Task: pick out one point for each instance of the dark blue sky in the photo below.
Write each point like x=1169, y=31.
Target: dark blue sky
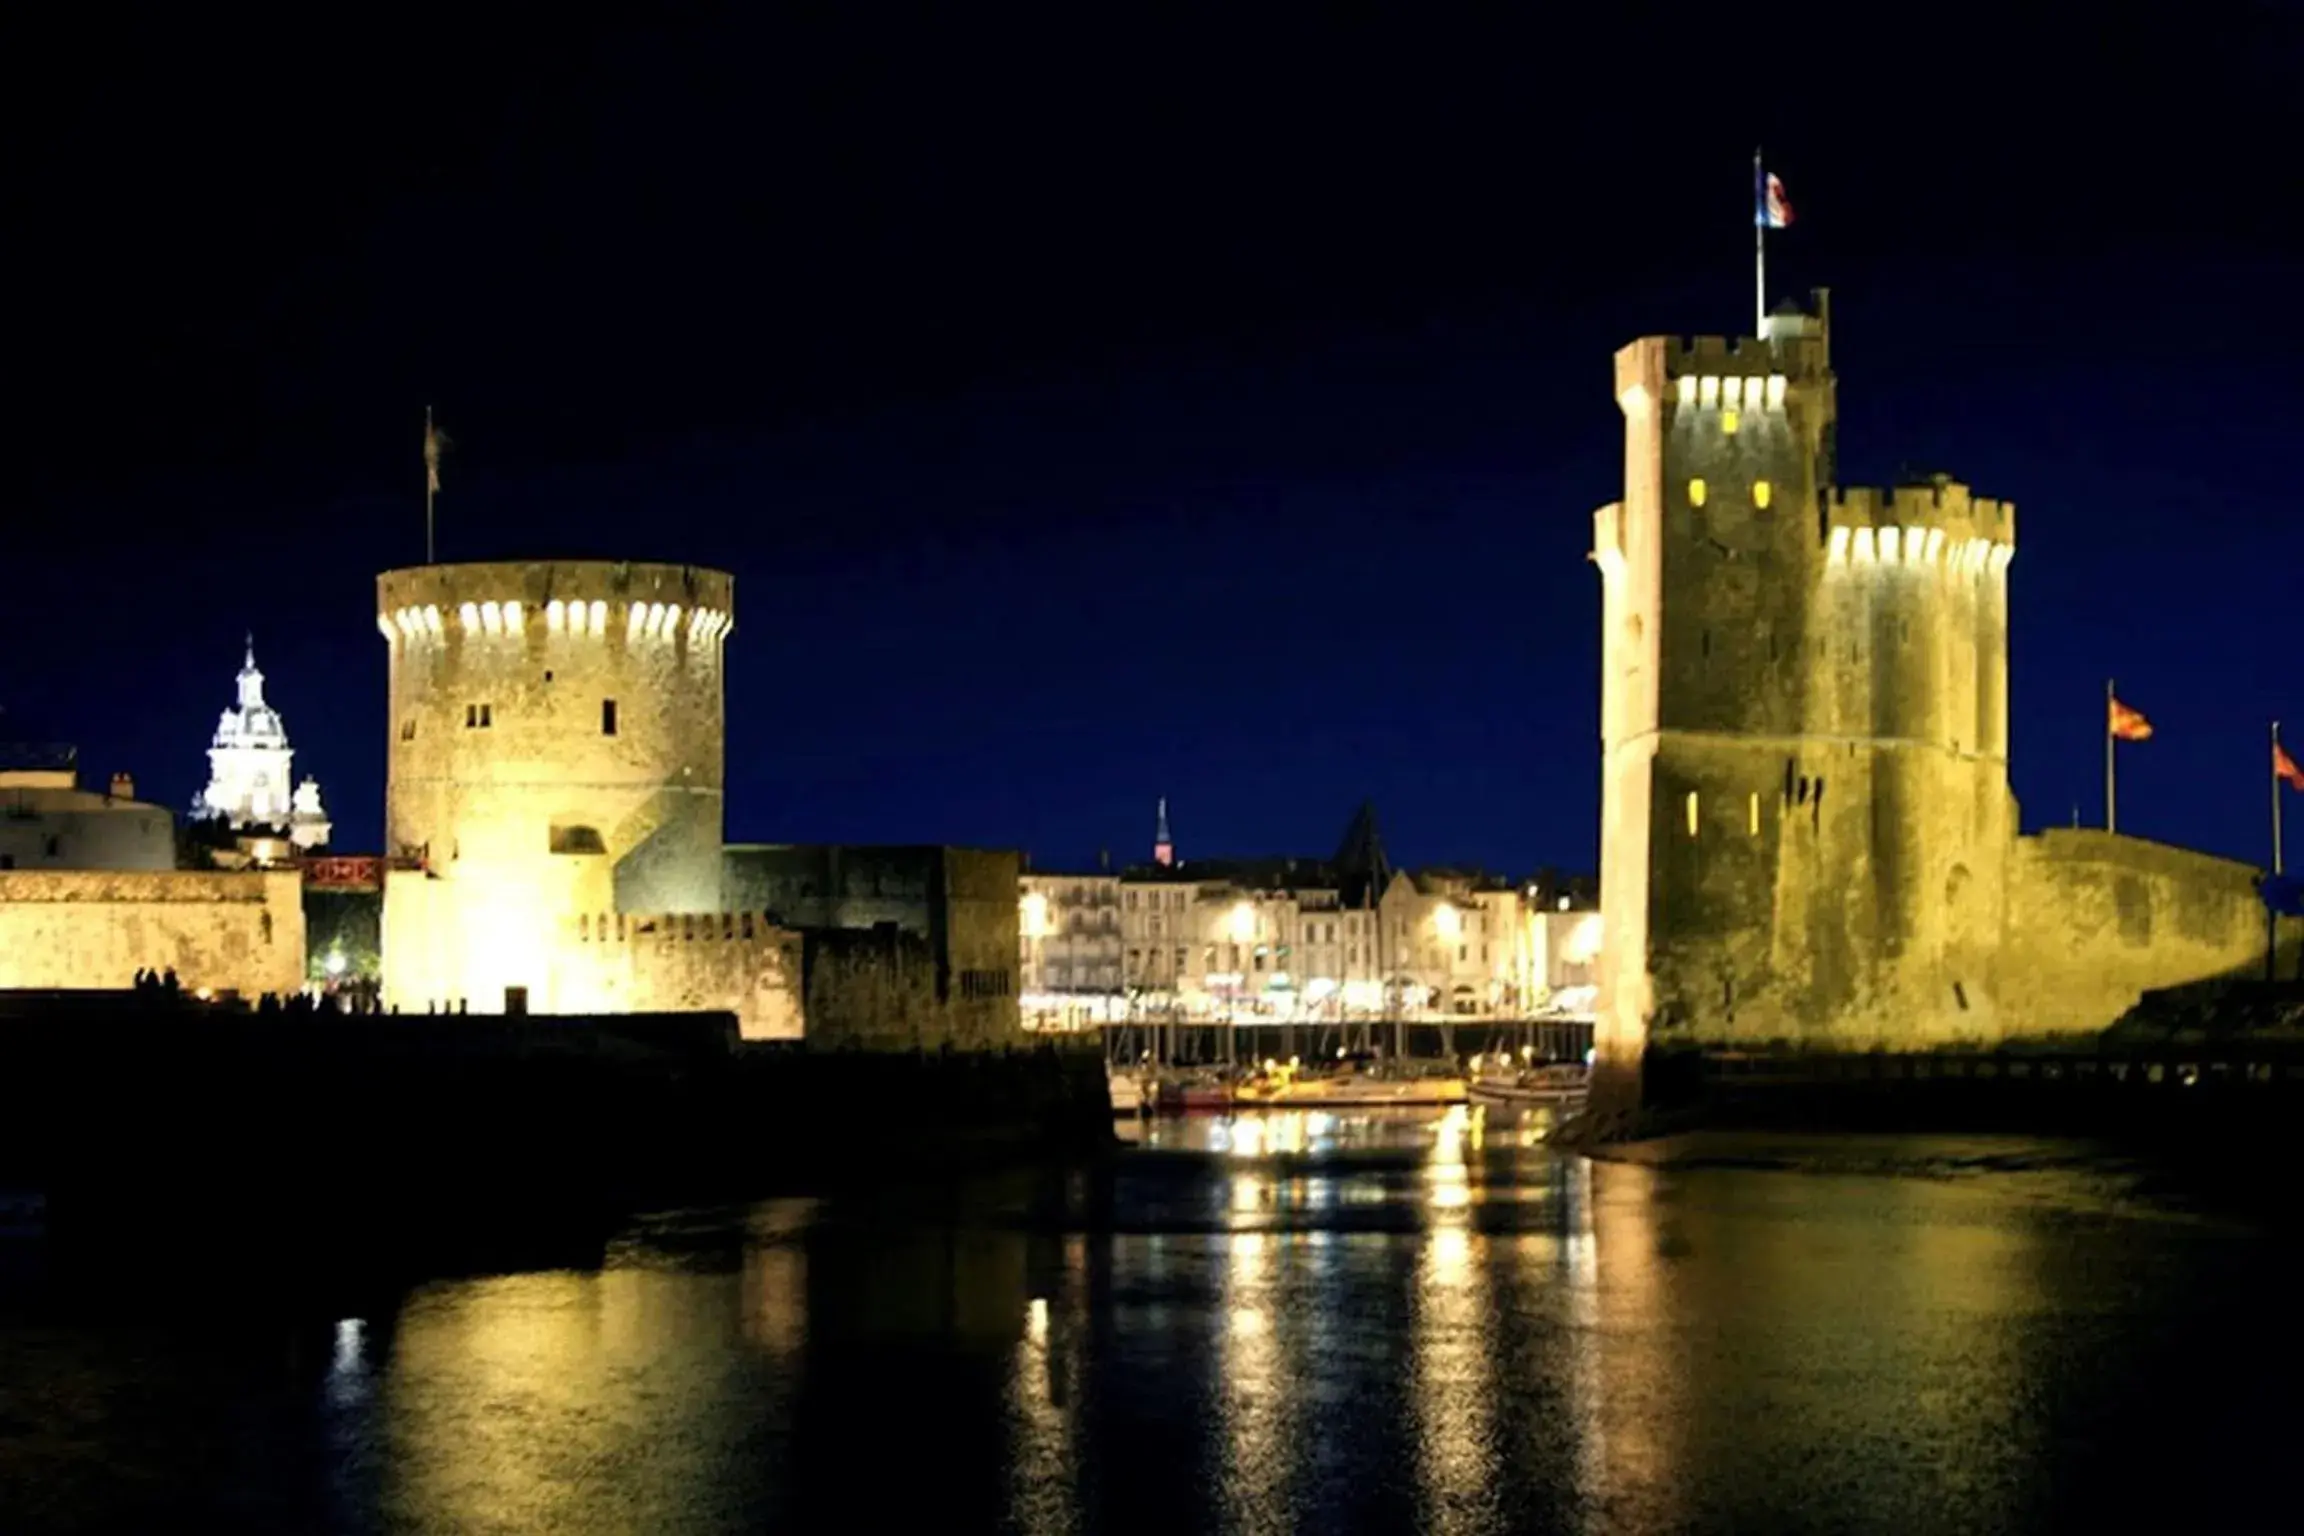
x=1097, y=410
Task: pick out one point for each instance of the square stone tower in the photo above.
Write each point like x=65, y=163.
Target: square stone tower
x=1806, y=821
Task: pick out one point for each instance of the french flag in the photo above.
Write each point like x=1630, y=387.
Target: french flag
x=1771, y=209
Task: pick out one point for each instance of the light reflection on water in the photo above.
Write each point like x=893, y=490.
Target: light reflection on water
x=1396, y=1320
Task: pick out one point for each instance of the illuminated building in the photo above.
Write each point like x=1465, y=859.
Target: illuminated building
x=249, y=780
x=1281, y=939
x=1069, y=949
x=1808, y=835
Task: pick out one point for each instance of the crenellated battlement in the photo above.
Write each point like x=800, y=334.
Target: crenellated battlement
x=681, y=928
x=538, y=600
x=1939, y=525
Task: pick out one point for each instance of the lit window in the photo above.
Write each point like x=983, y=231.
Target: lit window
x=1687, y=389
x=1731, y=392
x=555, y=615
x=599, y=617
x=470, y=615
x=1762, y=494
x=1708, y=390
x=1729, y=421
x=1691, y=813
x=1696, y=491
x=1775, y=389
x=1752, y=814
x=1887, y=540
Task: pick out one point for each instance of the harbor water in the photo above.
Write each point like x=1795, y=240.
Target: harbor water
x=1288, y=1320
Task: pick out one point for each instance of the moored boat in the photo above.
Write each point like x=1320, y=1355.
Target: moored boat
x=1546, y=1085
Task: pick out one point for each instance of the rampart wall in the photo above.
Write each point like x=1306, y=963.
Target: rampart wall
x=221, y=932
x=685, y=962
x=2096, y=920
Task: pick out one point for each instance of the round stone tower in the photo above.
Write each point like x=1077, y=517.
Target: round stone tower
x=555, y=746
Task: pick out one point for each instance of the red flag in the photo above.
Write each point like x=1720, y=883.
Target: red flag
x=2129, y=724
x=2284, y=766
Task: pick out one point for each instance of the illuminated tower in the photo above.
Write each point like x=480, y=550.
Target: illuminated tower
x=1163, y=848
x=555, y=747
x=249, y=760
x=1806, y=819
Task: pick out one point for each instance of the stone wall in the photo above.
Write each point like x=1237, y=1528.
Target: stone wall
x=736, y=962
x=595, y=962
x=877, y=989
x=953, y=909
x=2096, y=920
x=238, y=932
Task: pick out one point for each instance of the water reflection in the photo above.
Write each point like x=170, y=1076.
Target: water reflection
x=1380, y=1322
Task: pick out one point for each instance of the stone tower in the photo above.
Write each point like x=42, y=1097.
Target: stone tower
x=555, y=747
x=1806, y=820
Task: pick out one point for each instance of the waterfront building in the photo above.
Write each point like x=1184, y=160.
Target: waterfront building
x=1301, y=939
x=1070, y=947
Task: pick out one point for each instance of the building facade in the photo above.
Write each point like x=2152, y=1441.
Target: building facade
x=250, y=768
x=1808, y=836
x=1305, y=939
x=47, y=821
x=1069, y=949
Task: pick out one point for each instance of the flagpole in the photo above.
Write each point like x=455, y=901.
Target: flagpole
x=2278, y=852
x=1759, y=249
x=2111, y=811
x=431, y=482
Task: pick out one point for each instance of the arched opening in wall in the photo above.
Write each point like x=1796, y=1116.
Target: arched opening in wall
x=576, y=839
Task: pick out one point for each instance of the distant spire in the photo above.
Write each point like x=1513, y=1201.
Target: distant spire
x=1163, y=847
x=251, y=681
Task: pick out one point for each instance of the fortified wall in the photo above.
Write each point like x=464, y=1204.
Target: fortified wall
x=2097, y=919
x=237, y=933
x=905, y=945
x=1808, y=836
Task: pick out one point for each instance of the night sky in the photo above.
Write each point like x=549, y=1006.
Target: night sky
x=1094, y=409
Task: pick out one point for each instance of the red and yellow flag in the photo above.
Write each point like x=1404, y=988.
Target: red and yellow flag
x=2284, y=766
x=2128, y=724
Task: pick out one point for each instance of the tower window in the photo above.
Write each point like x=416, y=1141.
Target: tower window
x=478, y=717
x=1696, y=491
x=1752, y=812
x=1762, y=494
x=1691, y=813
x=607, y=717
x=408, y=729
x=1729, y=422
